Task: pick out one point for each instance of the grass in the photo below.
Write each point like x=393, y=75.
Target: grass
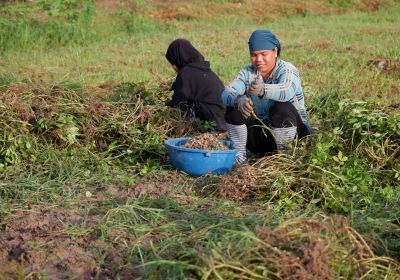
x=115, y=52
x=82, y=162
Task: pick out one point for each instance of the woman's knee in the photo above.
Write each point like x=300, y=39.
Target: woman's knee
x=283, y=114
x=233, y=116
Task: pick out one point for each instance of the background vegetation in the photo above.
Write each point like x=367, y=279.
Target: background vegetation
x=86, y=189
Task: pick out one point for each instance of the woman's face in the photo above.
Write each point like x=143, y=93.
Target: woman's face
x=264, y=61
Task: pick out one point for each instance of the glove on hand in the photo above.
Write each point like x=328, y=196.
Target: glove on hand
x=245, y=106
x=256, y=87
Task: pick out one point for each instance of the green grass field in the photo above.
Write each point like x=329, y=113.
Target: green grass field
x=86, y=189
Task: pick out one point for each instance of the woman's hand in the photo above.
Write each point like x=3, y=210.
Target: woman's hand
x=245, y=106
x=256, y=87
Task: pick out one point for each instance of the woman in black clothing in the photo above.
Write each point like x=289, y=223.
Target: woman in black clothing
x=197, y=89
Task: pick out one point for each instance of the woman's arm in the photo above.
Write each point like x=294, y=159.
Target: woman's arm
x=285, y=88
x=181, y=90
x=236, y=88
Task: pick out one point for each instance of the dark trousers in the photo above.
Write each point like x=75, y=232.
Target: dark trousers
x=259, y=138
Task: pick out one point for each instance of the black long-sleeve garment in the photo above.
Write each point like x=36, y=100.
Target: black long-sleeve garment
x=198, y=86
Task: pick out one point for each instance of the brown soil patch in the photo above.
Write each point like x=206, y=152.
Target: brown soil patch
x=322, y=44
x=284, y=7
x=385, y=65
x=206, y=141
x=170, y=13
x=255, y=9
x=239, y=185
x=109, y=85
x=154, y=187
x=370, y=5
x=40, y=241
x=151, y=186
x=115, y=5
x=102, y=90
x=36, y=241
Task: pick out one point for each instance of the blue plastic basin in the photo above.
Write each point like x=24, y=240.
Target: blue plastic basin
x=197, y=162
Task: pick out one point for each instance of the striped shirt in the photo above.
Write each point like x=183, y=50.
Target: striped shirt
x=284, y=84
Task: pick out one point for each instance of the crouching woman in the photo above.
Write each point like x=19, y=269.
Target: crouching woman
x=265, y=102
x=197, y=89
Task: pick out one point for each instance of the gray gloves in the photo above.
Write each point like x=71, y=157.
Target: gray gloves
x=256, y=87
x=245, y=106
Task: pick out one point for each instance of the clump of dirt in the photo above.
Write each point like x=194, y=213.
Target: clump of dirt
x=255, y=9
x=238, y=185
x=205, y=141
x=370, y=5
x=385, y=65
x=174, y=13
x=153, y=186
x=35, y=241
x=115, y=6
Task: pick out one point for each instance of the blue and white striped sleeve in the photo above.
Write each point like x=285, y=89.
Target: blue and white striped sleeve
x=285, y=88
x=236, y=88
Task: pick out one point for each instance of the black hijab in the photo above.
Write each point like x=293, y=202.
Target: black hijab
x=181, y=52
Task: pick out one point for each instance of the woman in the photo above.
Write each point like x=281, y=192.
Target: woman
x=265, y=101
x=197, y=89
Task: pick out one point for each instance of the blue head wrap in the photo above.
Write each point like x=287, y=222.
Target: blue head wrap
x=263, y=40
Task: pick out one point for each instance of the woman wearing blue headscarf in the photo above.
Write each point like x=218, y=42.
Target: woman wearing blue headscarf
x=266, y=93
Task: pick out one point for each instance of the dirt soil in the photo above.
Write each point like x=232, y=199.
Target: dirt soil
x=43, y=242
x=385, y=65
x=206, y=141
x=66, y=242
x=150, y=186
x=115, y=5
x=238, y=185
x=36, y=241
